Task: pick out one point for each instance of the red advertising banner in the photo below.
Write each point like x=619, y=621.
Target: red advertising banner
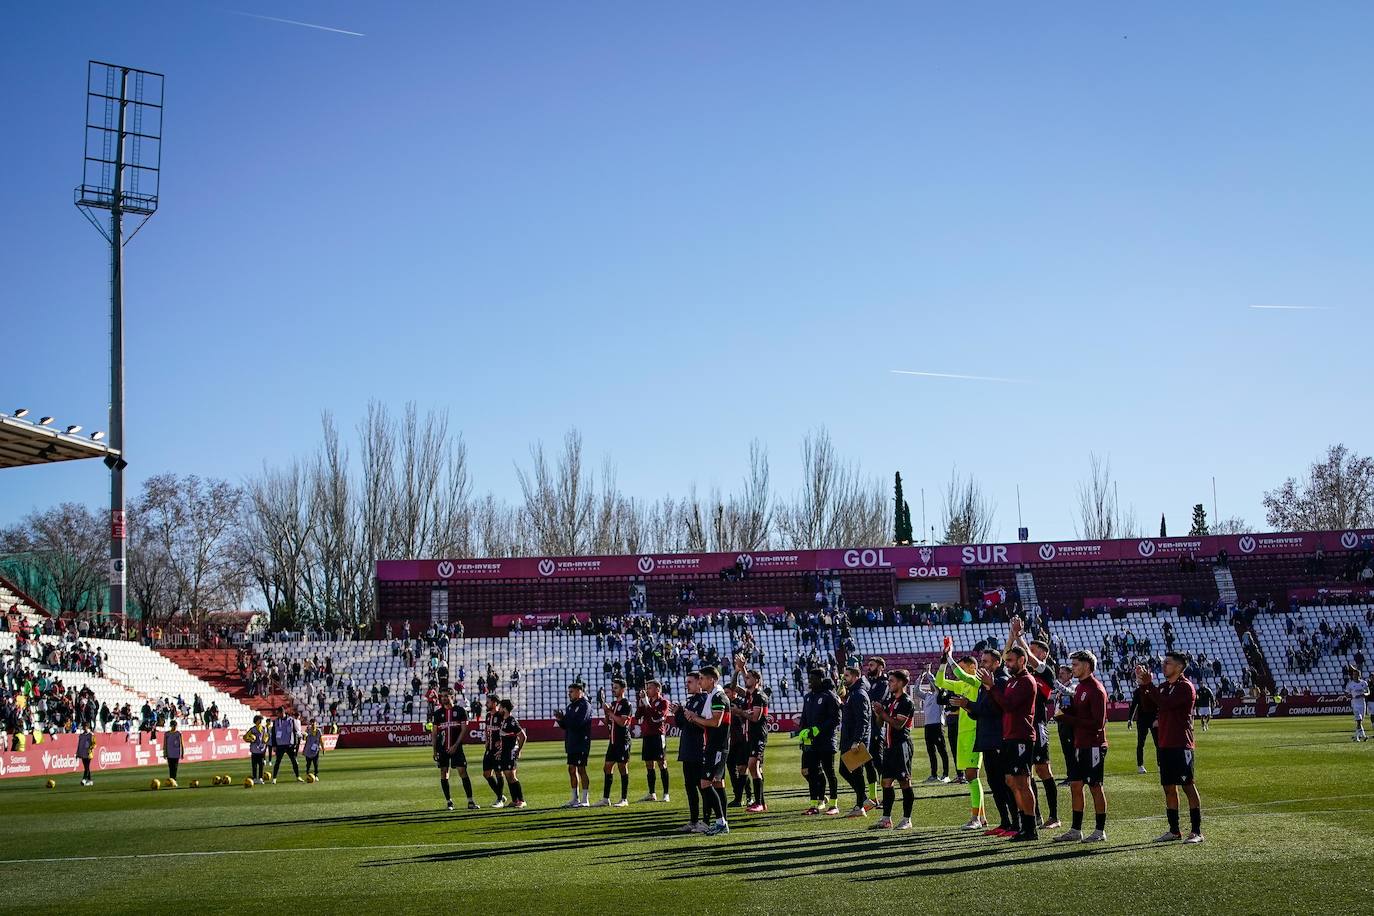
x=1231, y=708
x=904, y=562
x=120, y=750
x=1134, y=602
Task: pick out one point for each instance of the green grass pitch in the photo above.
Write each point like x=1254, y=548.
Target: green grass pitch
x=1287, y=806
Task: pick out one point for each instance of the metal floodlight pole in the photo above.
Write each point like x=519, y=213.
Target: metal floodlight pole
x=121, y=173
x=118, y=541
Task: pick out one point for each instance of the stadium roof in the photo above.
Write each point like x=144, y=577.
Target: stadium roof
x=23, y=443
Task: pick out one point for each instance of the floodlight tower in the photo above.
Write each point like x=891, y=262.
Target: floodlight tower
x=121, y=174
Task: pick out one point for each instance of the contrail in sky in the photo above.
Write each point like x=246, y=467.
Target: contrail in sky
x=308, y=25
x=970, y=378
x=1294, y=308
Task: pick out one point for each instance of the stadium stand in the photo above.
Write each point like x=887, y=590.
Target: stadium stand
x=1310, y=647
x=132, y=674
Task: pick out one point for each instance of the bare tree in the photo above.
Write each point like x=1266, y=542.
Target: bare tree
x=274, y=538
x=967, y=514
x=559, y=499
x=1337, y=492
x=151, y=586
x=189, y=521
x=1100, y=514
x=837, y=505
x=64, y=557
x=1233, y=525
x=749, y=516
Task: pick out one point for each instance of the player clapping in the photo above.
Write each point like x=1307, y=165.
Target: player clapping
x=1174, y=701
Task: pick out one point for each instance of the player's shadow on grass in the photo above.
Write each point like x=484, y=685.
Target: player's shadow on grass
x=588, y=826
x=379, y=819
x=485, y=852
x=961, y=864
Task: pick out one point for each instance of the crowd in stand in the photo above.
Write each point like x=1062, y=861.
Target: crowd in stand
x=1311, y=645
x=36, y=698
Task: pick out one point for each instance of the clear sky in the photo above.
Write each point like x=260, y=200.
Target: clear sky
x=681, y=226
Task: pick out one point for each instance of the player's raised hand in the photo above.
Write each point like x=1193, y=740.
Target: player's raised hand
x=1142, y=676
x=985, y=676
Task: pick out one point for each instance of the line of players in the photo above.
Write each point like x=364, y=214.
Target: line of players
x=1004, y=701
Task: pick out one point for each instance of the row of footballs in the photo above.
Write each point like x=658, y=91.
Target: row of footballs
x=195, y=783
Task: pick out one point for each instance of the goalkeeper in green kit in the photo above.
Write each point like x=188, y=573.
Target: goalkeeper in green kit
x=963, y=682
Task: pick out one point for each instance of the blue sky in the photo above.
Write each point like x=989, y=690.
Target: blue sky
x=681, y=227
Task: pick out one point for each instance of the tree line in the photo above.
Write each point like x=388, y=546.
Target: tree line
x=302, y=539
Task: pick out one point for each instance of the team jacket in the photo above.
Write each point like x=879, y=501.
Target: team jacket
x=1087, y=714
x=821, y=710
x=877, y=696
x=856, y=720
x=1142, y=710
x=576, y=724
x=987, y=715
x=1175, y=704
x=691, y=747
x=1017, y=699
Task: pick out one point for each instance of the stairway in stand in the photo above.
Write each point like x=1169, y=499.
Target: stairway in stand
x=1226, y=585
x=216, y=666
x=1025, y=584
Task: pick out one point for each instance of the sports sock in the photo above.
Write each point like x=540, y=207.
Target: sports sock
x=1035, y=796
x=737, y=783
x=1078, y=820
x=693, y=802
x=1195, y=819
x=708, y=804
x=606, y=786
x=720, y=801
x=467, y=786
x=664, y=773
x=889, y=796
x=624, y=785
x=1051, y=797
x=1014, y=818
x=1101, y=819
x=872, y=788
x=444, y=783
x=653, y=781
x=758, y=791
x=517, y=792
x=975, y=793
x=585, y=793
x=908, y=799
x=1173, y=819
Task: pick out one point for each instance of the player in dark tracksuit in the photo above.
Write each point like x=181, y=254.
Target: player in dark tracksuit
x=820, y=719
x=875, y=682
x=576, y=722
x=691, y=751
x=1142, y=716
x=856, y=730
x=987, y=717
